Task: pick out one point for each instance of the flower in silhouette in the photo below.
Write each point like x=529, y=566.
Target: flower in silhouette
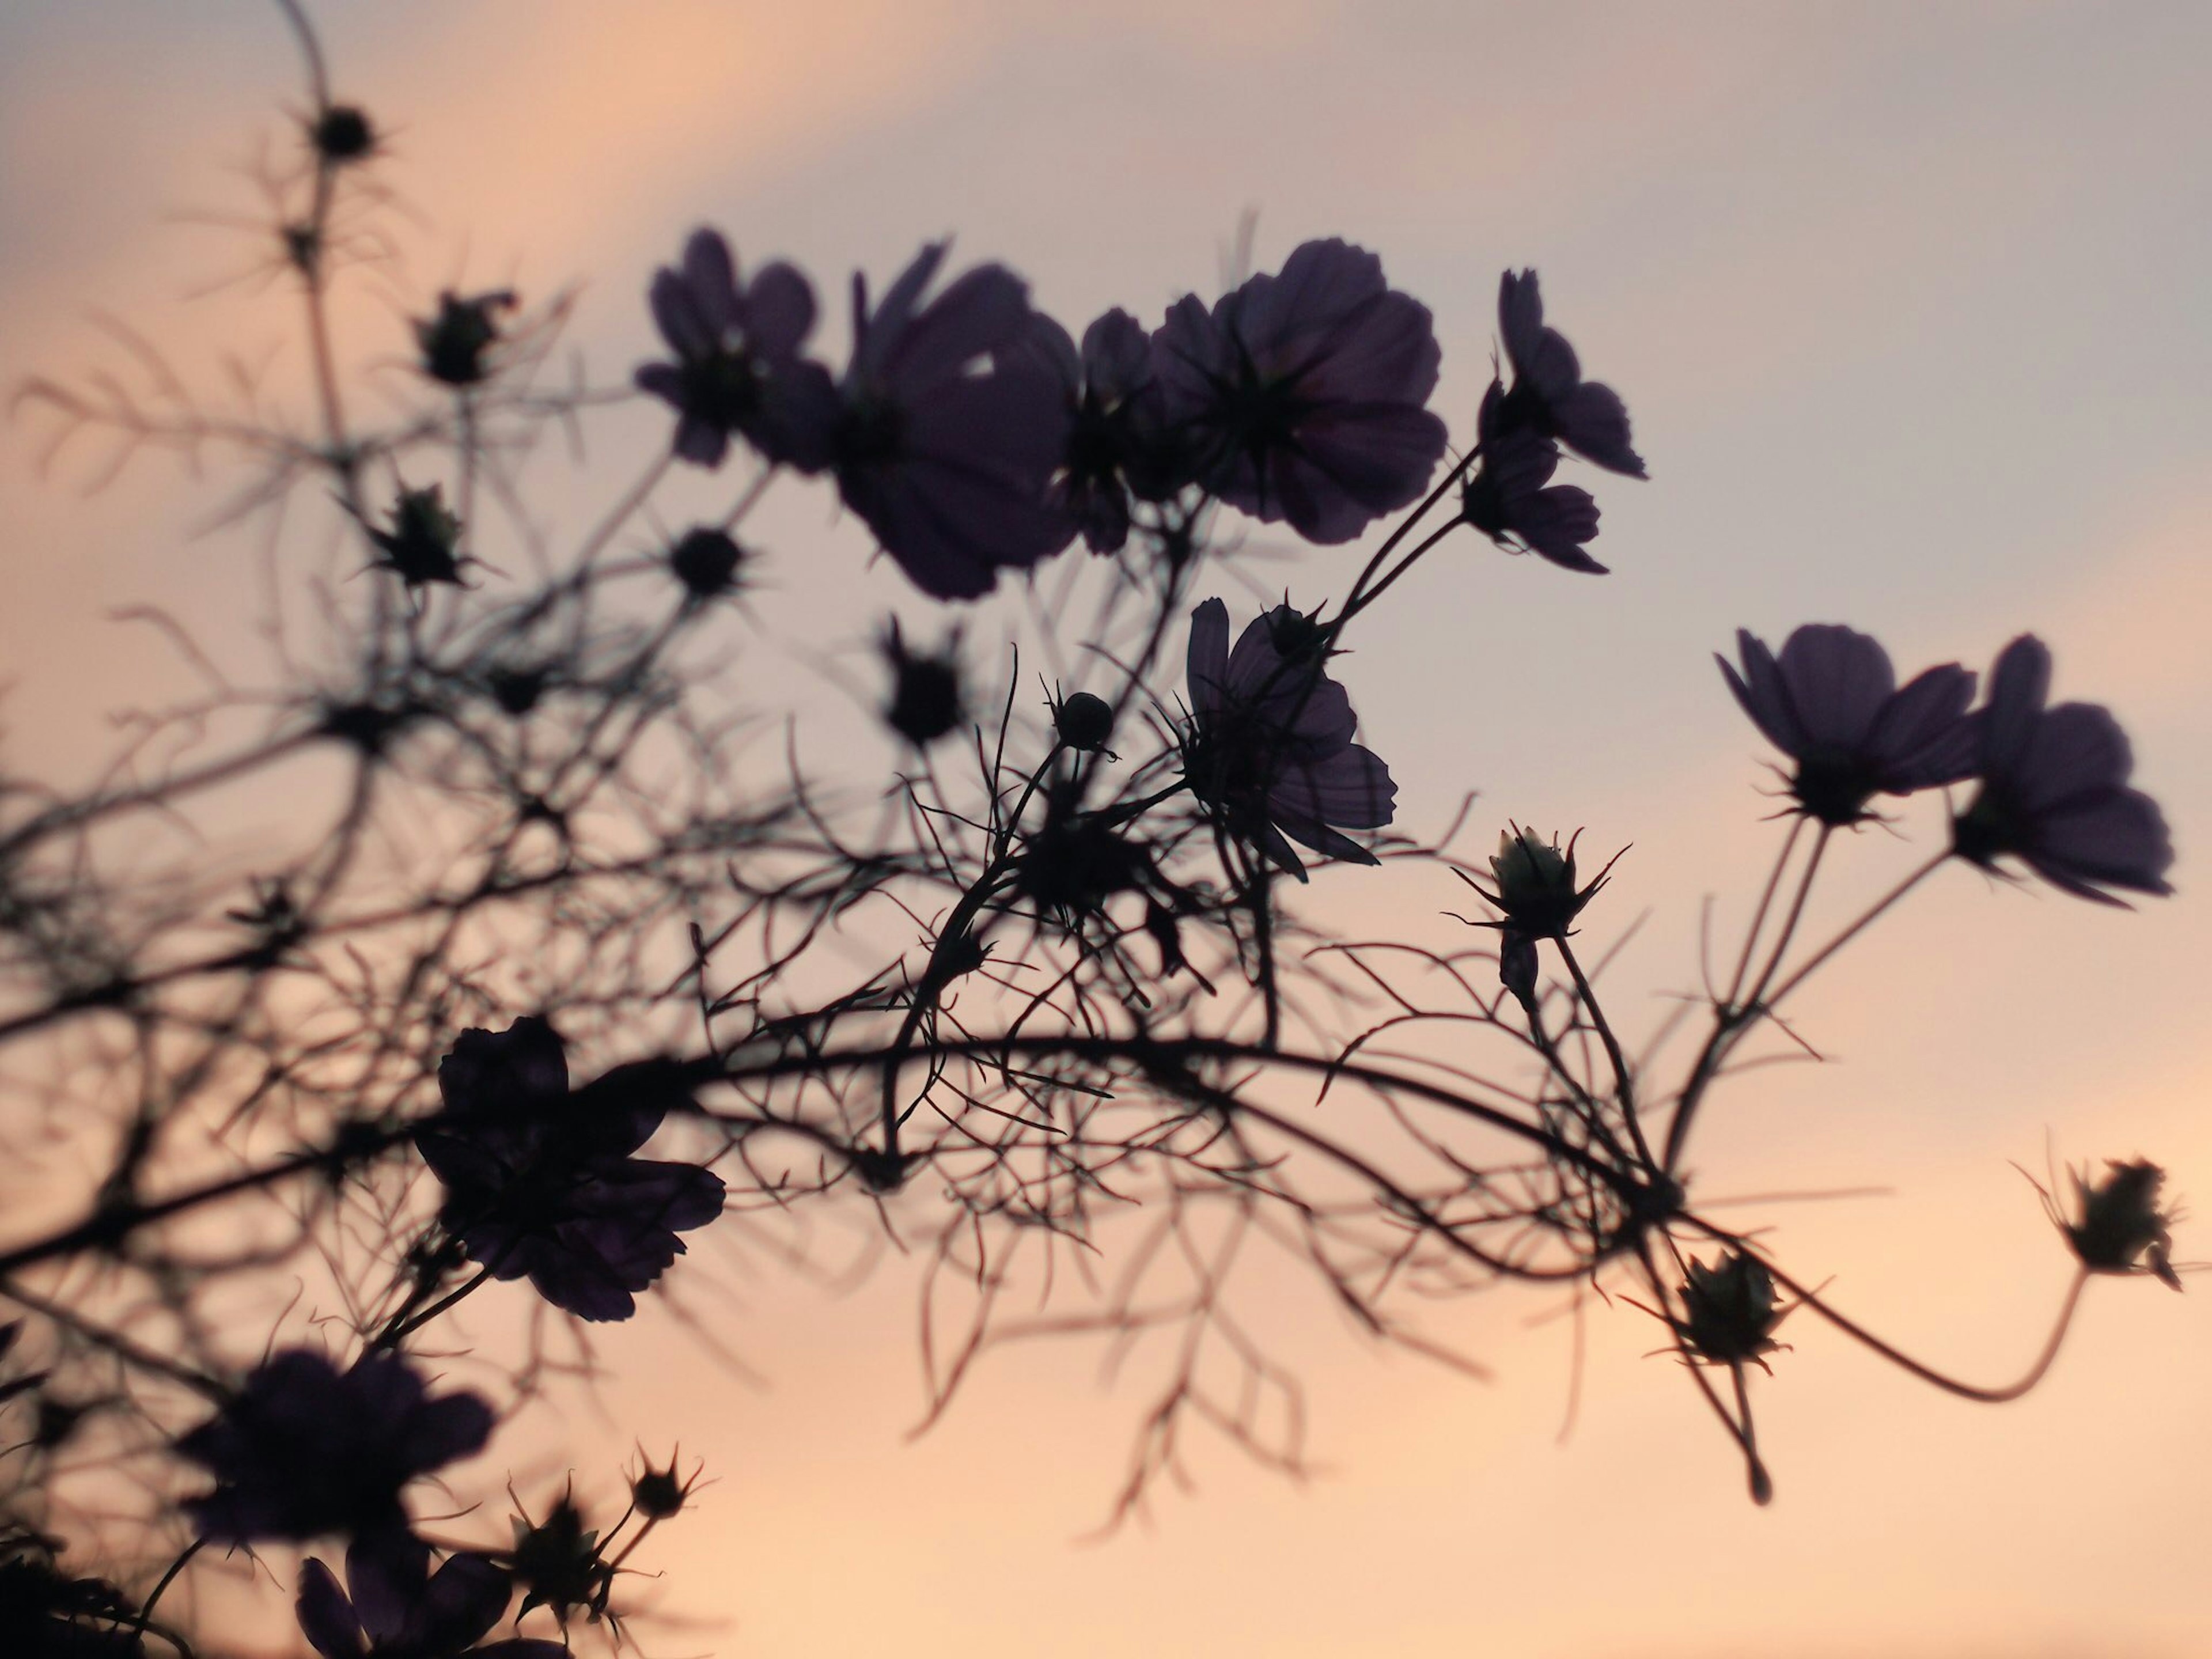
x=413, y=1614
x=2054, y=789
x=1832, y=704
x=1117, y=441
x=1301, y=393
x=1549, y=394
x=737, y=368
x=304, y=1451
x=1511, y=499
x=539, y=1181
x=952, y=428
x=1270, y=746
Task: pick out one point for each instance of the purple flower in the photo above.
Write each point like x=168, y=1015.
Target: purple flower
x=2054, y=789
x=952, y=428
x=1302, y=393
x=1270, y=748
x=1512, y=500
x=1117, y=443
x=305, y=1449
x=413, y=1614
x=1831, y=702
x=738, y=368
x=539, y=1181
x=1549, y=394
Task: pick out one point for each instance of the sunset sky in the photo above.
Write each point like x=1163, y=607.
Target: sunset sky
x=1908, y=303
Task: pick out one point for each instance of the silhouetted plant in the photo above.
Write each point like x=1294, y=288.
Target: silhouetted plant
x=330, y=1100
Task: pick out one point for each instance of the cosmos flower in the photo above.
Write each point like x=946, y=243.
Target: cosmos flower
x=737, y=368
x=305, y=1449
x=952, y=428
x=1302, y=393
x=1549, y=394
x=416, y=1615
x=2054, y=789
x=1831, y=702
x=1270, y=748
x=539, y=1181
x=1116, y=441
x=1511, y=499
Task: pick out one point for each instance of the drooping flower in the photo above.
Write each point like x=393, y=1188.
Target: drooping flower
x=304, y=1450
x=737, y=368
x=539, y=1181
x=1831, y=702
x=415, y=1614
x=1300, y=394
x=1549, y=393
x=1511, y=499
x=1117, y=441
x=951, y=429
x=2054, y=789
x=1270, y=746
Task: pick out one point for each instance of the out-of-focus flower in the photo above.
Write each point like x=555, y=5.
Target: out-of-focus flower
x=423, y=541
x=706, y=560
x=1832, y=704
x=539, y=1181
x=952, y=428
x=454, y=342
x=413, y=1614
x=304, y=1450
x=1117, y=441
x=48, y=1614
x=926, y=702
x=2121, y=1228
x=1549, y=393
x=342, y=134
x=1270, y=746
x=2054, y=789
x=1511, y=499
x=737, y=368
x=1301, y=394
x=1729, y=1311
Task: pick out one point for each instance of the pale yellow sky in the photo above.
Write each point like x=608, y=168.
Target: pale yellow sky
x=1907, y=302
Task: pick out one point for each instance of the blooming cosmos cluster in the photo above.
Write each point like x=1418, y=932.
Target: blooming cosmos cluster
x=973, y=434
x=2052, y=786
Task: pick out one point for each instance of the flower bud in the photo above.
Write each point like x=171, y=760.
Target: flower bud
x=1728, y=1310
x=658, y=1493
x=926, y=703
x=454, y=342
x=706, y=560
x=1536, y=884
x=2122, y=1229
x=423, y=543
x=1084, y=722
x=342, y=133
